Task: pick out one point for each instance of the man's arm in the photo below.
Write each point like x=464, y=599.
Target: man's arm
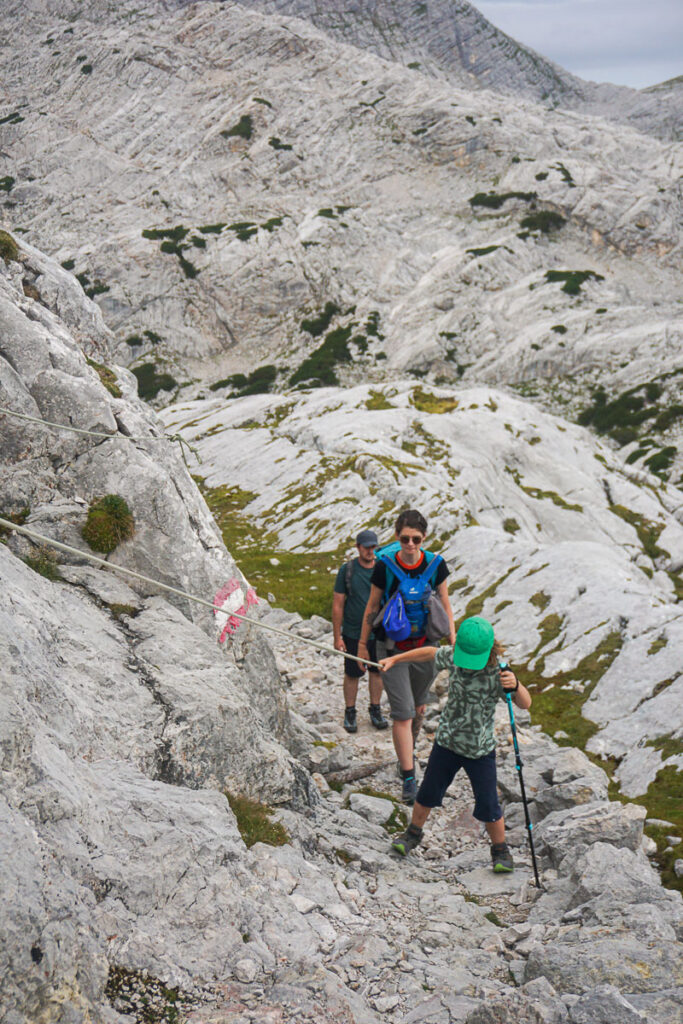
x=338, y=602
x=442, y=591
x=369, y=616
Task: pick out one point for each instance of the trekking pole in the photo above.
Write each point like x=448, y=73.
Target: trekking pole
x=503, y=665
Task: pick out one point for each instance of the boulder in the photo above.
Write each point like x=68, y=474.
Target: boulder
x=570, y=832
x=605, y=1005
x=372, y=808
x=590, y=960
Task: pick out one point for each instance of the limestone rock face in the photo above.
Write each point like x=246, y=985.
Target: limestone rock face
x=454, y=40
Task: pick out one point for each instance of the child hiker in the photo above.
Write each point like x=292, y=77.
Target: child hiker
x=464, y=737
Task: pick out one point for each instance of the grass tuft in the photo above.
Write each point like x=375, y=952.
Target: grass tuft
x=254, y=822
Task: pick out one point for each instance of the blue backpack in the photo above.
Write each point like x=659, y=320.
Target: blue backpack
x=405, y=613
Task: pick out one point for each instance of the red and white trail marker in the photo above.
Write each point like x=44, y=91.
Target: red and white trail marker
x=232, y=602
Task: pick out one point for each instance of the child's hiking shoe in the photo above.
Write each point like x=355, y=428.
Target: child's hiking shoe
x=502, y=858
x=409, y=839
x=409, y=788
x=350, y=723
x=377, y=718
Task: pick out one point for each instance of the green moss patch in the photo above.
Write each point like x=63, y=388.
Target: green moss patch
x=544, y=221
x=7, y=183
x=318, y=370
x=540, y=495
x=494, y=200
x=511, y=525
x=647, y=530
x=377, y=401
x=150, y=383
x=482, y=252
x=317, y=325
x=572, y=279
x=621, y=417
x=121, y=610
x=109, y=522
x=256, y=383
x=243, y=129
x=173, y=243
x=44, y=562
x=254, y=822
x=426, y=402
x=107, y=376
x=91, y=288
x=658, y=644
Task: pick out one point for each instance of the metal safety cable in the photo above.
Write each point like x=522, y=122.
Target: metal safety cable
x=9, y=525
x=101, y=433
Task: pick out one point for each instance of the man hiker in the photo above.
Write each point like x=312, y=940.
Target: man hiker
x=351, y=592
x=405, y=568
x=477, y=680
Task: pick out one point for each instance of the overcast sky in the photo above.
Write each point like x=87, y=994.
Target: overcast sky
x=628, y=42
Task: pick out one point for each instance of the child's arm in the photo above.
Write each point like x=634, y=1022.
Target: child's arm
x=419, y=654
x=520, y=694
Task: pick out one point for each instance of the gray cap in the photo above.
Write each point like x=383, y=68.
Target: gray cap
x=367, y=539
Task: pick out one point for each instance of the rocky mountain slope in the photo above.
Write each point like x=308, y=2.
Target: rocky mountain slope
x=230, y=186
x=129, y=889
x=453, y=40
x=252, y=210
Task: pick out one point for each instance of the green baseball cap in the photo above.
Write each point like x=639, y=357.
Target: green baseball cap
x=473, y=643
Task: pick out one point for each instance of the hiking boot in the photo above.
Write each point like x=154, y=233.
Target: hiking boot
x=502, y=858
x=409, y=789
x=408, y=840
x=350, y=723
x=377, y=718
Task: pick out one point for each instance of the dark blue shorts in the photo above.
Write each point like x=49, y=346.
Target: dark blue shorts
x=352, y=668
x=443, y=766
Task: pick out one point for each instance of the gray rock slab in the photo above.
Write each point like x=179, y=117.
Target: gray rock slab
x=484, y=882
x=625, y=962
x=373, y=808
x=107, y=586
x=605, y=1005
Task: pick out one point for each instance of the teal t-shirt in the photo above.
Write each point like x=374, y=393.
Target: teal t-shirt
x=466, y=723
x=356, y=598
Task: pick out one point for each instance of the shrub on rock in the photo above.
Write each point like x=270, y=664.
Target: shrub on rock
x=9, y=250
x=109, y=522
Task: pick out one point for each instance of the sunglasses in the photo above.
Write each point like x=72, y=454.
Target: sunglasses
x=407, y=538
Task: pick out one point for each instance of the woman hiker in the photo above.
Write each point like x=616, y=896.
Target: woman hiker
x=464, y=737
x=406, y=685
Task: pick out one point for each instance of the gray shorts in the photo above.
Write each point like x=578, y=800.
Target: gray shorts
x=405, y=685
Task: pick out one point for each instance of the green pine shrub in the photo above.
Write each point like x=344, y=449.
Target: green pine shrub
x=9, y=250
x=109, y=522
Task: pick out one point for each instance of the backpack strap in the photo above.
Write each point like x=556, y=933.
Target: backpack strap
x=392, y=566
x=348, y=575
x=431, y=567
